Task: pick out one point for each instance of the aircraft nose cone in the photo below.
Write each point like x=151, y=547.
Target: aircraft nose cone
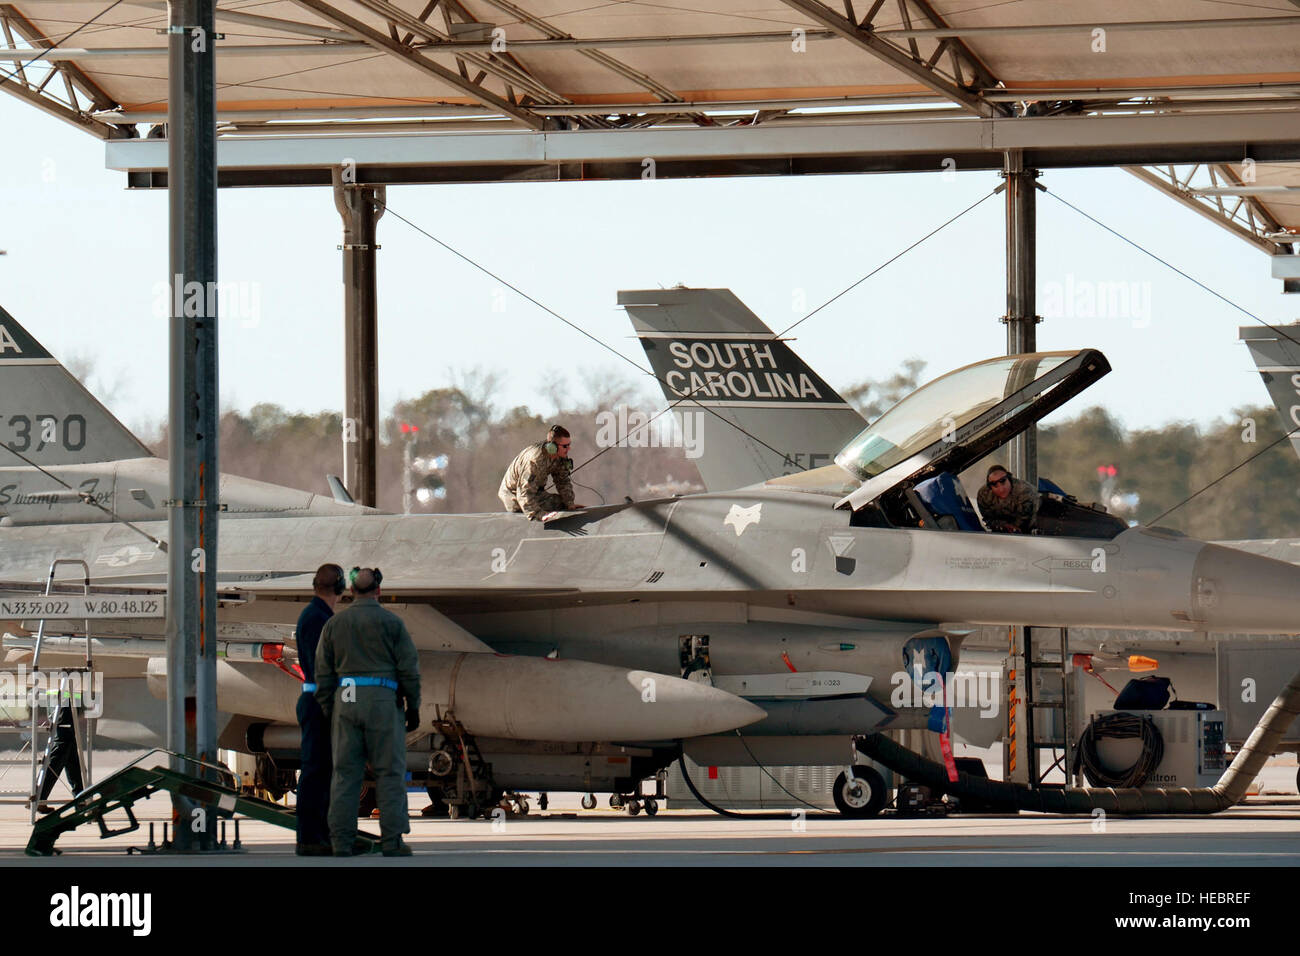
x=1238, y=591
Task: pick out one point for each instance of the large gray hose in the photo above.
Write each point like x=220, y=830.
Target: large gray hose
x=1014, y=796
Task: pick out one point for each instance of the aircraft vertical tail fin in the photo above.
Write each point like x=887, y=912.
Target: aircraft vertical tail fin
x=49, y=418
x=706, y=344
x=1276, y=351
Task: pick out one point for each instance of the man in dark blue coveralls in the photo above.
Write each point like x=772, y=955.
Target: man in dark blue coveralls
x=314, y=777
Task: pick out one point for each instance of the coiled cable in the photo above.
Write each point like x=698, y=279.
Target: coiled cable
x=1119, y=726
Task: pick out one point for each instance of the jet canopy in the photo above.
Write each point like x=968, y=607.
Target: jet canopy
x=953, y=421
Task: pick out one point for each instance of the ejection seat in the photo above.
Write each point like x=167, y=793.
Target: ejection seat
x=946, y=499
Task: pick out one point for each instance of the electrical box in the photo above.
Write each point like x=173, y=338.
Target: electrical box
x=1194, y=754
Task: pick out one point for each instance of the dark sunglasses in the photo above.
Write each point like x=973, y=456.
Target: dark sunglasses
x=994, y=484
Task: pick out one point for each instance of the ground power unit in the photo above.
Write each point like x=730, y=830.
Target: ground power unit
x=1194, y=753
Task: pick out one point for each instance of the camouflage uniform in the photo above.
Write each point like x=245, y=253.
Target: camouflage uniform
x=1018, y=509
x=524, y=486
x=368, y=723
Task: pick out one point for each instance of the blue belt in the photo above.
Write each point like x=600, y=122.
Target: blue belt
x=370, y=682
x=309, y=688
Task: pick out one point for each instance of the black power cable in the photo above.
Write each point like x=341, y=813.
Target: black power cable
x=1119, y=726
x=722, y=811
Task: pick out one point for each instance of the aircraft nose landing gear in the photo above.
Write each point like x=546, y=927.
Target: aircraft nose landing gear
x=862, y=795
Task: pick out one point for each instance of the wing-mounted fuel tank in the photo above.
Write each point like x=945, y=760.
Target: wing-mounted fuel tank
x=811, y=673
x=527, y=698
x=535, y=698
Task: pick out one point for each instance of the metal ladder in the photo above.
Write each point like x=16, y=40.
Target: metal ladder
x=36, y=743
x=1064, y=704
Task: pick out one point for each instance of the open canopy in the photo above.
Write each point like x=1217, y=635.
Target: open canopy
x=953, y=421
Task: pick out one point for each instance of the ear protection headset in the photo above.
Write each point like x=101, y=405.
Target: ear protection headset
x=379, y=576
x=551, y=448
x=338, y=586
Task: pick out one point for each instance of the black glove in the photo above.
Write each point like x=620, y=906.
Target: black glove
x=412, y=719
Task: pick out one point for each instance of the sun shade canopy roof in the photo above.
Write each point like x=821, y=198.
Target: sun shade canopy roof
x=312, y=68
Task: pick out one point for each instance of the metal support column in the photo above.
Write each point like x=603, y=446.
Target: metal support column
x=361, y=208
x=193, y=411
x=1021, y=319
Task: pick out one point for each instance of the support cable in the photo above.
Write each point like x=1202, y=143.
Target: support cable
x=649, y=372
x=57, y=43
x=1164, y=262
x=1218, y=295
x=85, y=498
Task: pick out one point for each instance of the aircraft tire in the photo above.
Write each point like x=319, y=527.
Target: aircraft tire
x=865, y=798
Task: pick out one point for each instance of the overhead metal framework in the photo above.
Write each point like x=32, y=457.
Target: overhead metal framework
x=486, y=90
x=1232, y=195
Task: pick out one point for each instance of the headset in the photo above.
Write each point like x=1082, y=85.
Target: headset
x=338, y=586
x=551, y=448
x=379, y=576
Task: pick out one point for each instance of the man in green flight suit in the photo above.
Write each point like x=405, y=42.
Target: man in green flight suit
x=367, y=676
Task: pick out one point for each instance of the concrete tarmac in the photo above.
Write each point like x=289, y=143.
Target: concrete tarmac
x=1263, y=832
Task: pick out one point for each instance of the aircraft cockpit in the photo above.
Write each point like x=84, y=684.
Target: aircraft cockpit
x=902, y=470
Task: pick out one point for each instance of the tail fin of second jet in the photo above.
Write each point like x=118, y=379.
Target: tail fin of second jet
x=48, y=417
x=778, y=416
x=1276, y=351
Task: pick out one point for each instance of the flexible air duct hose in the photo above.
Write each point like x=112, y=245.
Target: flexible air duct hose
x=1014, y=796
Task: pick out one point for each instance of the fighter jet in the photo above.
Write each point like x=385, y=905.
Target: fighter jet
x=787, y=610
x=683, y=330
x=67, y=460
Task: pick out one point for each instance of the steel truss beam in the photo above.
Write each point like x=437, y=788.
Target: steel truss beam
x=14, y=79
x=420, y=62
x=597, y=56
x=954, y=83
x=1243, y=216
x=507, y=69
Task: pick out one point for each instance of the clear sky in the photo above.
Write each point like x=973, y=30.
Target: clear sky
x=86, y=259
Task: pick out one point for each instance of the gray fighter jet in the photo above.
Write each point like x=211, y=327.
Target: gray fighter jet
x=581, y=651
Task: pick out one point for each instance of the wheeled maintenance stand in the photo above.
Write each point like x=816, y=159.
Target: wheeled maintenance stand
x=134, y=782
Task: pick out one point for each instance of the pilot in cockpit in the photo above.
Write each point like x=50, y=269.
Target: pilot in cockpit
x=1006, y=503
